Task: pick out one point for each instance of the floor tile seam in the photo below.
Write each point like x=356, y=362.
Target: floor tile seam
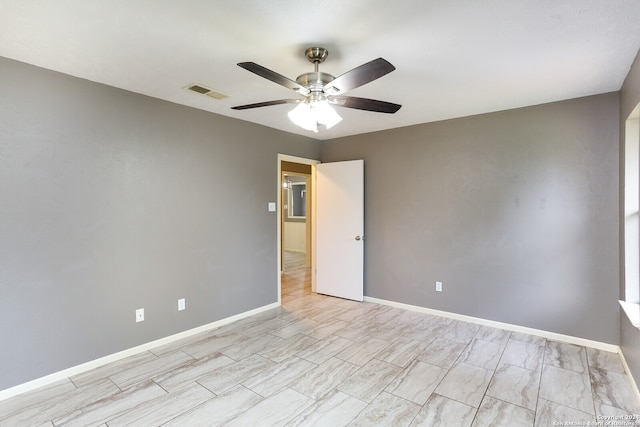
x=287, y=385
x=213, y=396
x=537, y=391
x=421, y=405
x=484, y=394
x=499, y=358
x=368, y=404
x=191, y=381
x=594, y=415
x=193, y=408
x=455, y=400
x=228, y=328
x=208, y=389
x=155, y=375
x=114, y=383
x=509, y=403
x=594, y=395
x=104, y=400
x=103, y=397
x=418, y=411
x=372, y=358
x=93, y=381
x=457, y=360
x=427, y=344
x=289, y=355
x=595, y=399
x=270, y=367
x=487, y=393
x=591, y=390
x=400, y=366
x=433, y=365
x=432, y=392
x=262, y=333
x=217, y=395
x=560, y=354
x=151, y=379
x=501, y=362
x=475, y=415
x=77, y=386
x=544, y=346
x=8, y=416
x=489, y=341
x=587, y=373
x=229, y=387
x=271, y=394
x=360, y=368
x=589, y=367
x=217, y=351
x=517, y=366
x=306, y=334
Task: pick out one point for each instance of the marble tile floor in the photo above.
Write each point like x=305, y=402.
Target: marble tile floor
x=323, y=361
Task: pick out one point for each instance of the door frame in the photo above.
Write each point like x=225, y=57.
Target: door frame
x=304, y=161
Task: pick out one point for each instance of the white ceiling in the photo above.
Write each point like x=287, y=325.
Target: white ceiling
x=453, y=58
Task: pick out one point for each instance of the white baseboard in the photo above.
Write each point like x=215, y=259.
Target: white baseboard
x=75, y=370
x=515, y=328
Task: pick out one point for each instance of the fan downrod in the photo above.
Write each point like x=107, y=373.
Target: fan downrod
x=316, y=80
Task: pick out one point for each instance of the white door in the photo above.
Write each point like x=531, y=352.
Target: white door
x=339, y=229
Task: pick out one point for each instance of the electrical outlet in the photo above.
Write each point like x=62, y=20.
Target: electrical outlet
x=140, y=315
x=181, y=304
x=438, y=286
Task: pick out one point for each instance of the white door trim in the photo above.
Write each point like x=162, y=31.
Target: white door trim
x=293, y=159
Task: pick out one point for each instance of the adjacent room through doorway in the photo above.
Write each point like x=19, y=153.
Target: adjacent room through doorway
x=295, y=226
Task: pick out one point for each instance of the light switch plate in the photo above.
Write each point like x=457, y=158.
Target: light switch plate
x=272, y=206
x=181, y=304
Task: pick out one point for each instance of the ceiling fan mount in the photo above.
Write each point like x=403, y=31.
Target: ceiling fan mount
x=315, y=81
x=317, y=87
x=316, y=55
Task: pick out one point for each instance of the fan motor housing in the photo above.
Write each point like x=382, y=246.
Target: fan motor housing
x=314, y=81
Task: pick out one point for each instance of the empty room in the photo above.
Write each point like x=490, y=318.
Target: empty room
x=363, y=213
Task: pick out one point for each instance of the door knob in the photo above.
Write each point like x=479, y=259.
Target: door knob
x=359, y=238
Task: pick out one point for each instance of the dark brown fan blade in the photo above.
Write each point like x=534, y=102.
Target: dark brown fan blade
x=266, y=104
x=365, y=104
x=274, y=77
x=359, y=76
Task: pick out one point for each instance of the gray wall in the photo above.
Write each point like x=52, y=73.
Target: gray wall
x=629, y=335
x=112, y=201
x=516, y=212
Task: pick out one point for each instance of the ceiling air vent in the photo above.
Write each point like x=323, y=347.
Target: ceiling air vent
x=207, y=91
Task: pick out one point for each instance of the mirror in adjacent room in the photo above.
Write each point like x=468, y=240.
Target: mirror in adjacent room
x=296, y=205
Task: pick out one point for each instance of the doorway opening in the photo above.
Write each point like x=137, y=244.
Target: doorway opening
x=296, y=212
x=335, y=216
x=295, y=226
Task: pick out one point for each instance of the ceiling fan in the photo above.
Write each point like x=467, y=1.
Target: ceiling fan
x=320, y=90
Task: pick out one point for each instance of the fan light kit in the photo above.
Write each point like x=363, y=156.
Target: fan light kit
x=321, y=90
